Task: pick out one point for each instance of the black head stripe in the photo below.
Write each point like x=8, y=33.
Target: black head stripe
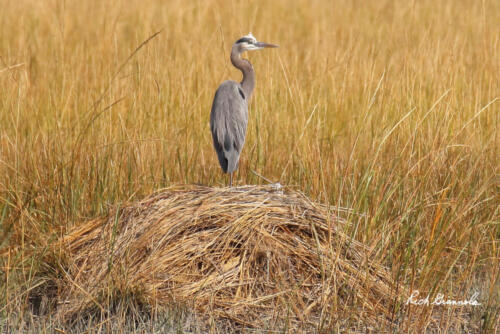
x=244, y=39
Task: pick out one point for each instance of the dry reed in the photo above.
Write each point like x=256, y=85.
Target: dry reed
x=252, y=254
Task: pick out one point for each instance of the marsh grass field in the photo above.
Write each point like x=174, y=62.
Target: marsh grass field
x=389, y=108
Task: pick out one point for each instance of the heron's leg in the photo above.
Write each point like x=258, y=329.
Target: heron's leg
x=230, y=179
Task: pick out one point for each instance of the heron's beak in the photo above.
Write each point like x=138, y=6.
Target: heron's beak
x=262, y=45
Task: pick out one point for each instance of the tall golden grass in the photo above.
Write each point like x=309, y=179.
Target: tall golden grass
x=390, y=108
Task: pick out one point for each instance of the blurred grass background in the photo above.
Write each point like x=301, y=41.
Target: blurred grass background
x=387, y=107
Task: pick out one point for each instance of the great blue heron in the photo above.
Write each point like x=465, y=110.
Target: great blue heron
x=229, y=115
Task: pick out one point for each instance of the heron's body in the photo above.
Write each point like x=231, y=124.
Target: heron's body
x=229, y=115
x=228, y=121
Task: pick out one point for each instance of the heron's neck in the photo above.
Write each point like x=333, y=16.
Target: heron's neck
x=248, y=82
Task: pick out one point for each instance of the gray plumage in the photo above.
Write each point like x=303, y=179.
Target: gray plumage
x=229, y=115
x=228, y=121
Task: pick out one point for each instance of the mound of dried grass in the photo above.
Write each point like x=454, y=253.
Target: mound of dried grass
x=252, y=254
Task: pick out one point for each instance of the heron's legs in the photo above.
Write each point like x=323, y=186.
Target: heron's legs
x=230, y=179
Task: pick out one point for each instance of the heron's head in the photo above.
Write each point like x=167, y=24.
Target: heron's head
x=250, y=43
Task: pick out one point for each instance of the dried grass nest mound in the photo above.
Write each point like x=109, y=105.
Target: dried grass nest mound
x=253, y=254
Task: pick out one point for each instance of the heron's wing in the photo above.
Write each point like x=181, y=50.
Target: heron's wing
x=229, y=116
